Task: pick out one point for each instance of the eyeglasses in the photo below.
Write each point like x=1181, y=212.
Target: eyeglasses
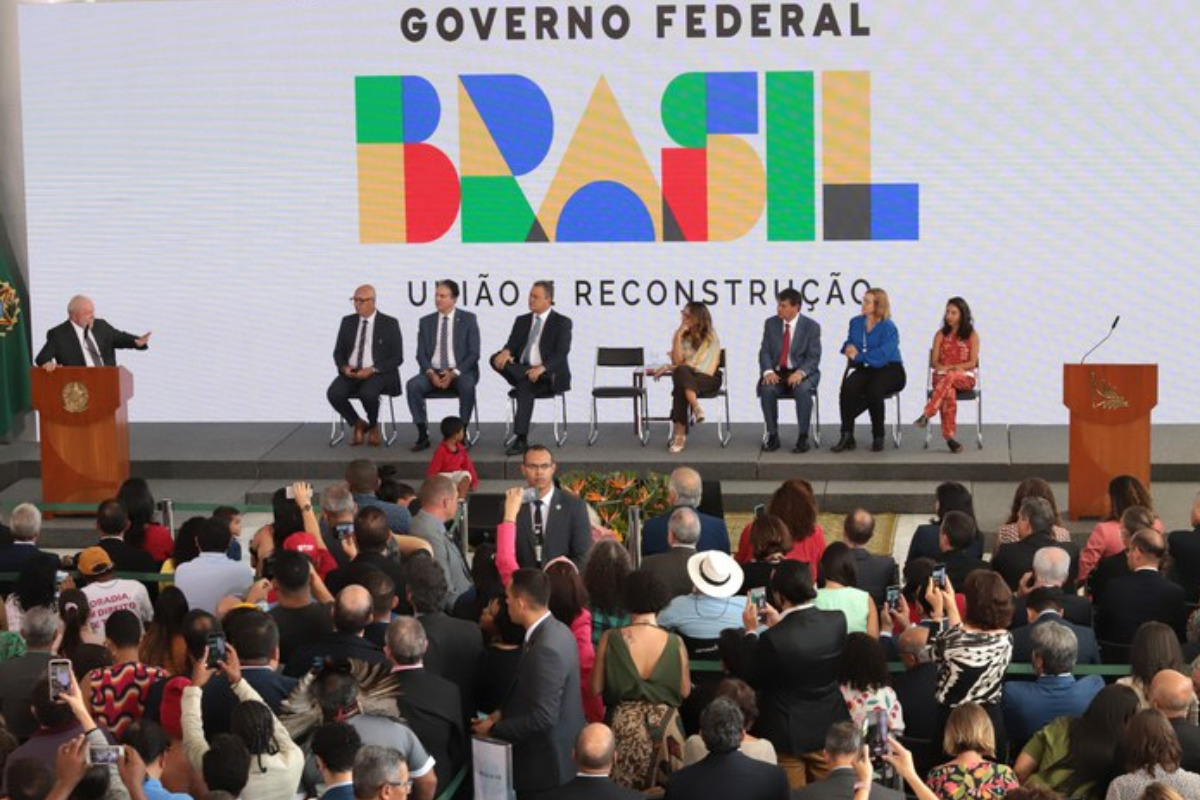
x=404, y=785
x=361, y=300
x=538, y=466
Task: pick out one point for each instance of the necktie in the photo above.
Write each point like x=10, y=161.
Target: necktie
x=787, y=345
x=93, y=351
x=362, y=343
x=539, y=531
x=533, y=337
x=444, y=344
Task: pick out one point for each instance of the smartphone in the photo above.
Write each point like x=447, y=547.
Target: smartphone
x=289, y=492
x=104, y=754
x=268, y=567
x=529, y=494
x=60, y=677
x=893, y=597
x=344, y=530
x=758, y=596
x=877, y=733
x=216, y=650
x=760, y=510
x=939, y=575
x=59, y=577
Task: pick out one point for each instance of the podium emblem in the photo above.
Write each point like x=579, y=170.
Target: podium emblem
x=10, y=308
x=75, y=397
x=1105, y=396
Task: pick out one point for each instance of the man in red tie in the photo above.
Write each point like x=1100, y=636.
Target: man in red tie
x=368, y=354
x=789, y=358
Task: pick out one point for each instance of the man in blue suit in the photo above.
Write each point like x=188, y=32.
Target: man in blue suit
x=1028, y=706
x=684, y=490
x=448, y=355
x=789, y=360
x=1044, y=605
x=335, y=745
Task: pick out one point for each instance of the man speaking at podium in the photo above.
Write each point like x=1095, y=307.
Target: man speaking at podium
x=84, y=341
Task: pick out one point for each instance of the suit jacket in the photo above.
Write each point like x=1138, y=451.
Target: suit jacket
x=337, y=646
x=17, y=678
x=1089, y=648
x=960, y=564
x=805, y=350
x=714, y=535
x=915, y=690
x=554, y=343
x=1030, y=705
x=19, y=556
x=719, y=776
x=925, y=543
x=568, y=531
x=432, y=707
x=387, y=347
x=1076, y=610
x=218, y=700
x=465, y=344
x=62, y=345
x=593, y=787
x=1189, y=740
x=671, y=566
x=1185, y=560
x=449, y=557
x=1107, y=568
x=455, y=653
x=793, y=665
x=840, y=786
x=345, y=792
x=126, y=557
x=543, y=712
x=875, y=573
x=1013, y=560
x=1140, y=597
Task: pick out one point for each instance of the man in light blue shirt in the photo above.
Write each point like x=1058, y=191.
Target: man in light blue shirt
x=151, y=743
x=210, y=576
x=362, y=476
x=713, y=604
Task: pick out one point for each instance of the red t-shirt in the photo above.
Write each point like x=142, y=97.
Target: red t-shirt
x=445, y=460
x=809, y=550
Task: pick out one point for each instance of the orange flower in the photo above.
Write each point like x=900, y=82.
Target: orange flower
x=594, y=497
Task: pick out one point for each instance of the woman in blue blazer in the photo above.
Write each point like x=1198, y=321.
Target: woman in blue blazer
x=875, y=369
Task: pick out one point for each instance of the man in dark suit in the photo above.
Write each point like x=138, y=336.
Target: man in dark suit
x=352, y=612
x=255, y=637
x=843, y=749
x=84, y=341
x=455, y=646
x=429, y=703
x=794, y=667
x=367, y=550
x=685, y=489
x=1042, y=606
x=1143, y=596
x=1172, y=695
x=958, y=533
x=915, y=689
x=543, y=712
x=112, y=522
x=875, y=572
x=683, y=531
x=18, y=676
x=535, y=360
x=368, y=355
x=595, y=750
x=1029, y=705
x=1051, y=566
x=1185, y=555
x=1035, y=524
x=22, y=552
x=789, y=360
x=555, y=522
x=448, y=355
x=334, y=746
x=726, y=772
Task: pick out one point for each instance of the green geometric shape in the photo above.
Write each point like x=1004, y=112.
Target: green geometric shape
x=494, y=209
x=684, y=109
x=379, y=109
x=791, y=158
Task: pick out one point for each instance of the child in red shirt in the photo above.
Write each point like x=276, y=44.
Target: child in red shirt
x=451, y=457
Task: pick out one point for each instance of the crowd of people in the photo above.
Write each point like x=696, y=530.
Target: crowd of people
x=354, y=645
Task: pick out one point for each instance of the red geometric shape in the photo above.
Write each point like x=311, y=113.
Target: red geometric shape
x=431, y=193
x=685, y=189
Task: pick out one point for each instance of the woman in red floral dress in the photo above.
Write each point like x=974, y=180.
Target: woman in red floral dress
x=955, y=359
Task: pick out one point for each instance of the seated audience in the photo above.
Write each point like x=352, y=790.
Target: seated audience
x=1028, y=706
x=1173, y=695
x=363, y=479
x=950, y=496
x=367, y=548
x=795, y=504
x=741, y=693
x=770, y=543
x=18, y=676
x=605, y=572
x=642, y=673
x=1184, y=547
x=211, y=575
x=843, y=750
x=351, y=615
x=671, y=566
x=151, y=744
x=1078, y=756
x=875, y=572
x=1035, y=522
x=1042, y=606
x=16, y=556
x=915, y=689
x=594, y=755
x=1146, y=595
x=1133, y=520
x=112, y=523
x=969, y=738
x=1030, y=487
x=36, y=585
x=726, y=772
x=303, y=610
x=956, y=536
x=1151, y=753
x=335, y=746
x=59, y=721
x=712, y=606
x=144, y=533
x=1154, y=649
x=78, y=643
x=684, y=490
x=1105, y=539
x=106, y=593
x=255, y=637
x=162, y=645
x=840, y=592
x=865, y=684
x=1051, y=567
x=118, y=694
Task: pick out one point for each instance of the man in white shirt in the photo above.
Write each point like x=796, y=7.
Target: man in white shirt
x=84, y=341
x=368, y=354
x=107, y=594
x=448, y=354
x=212, y=575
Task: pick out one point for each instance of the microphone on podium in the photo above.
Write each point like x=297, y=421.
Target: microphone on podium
x=1112, y=328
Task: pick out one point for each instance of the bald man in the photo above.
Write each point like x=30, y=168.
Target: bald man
x=595, y=751
x=352, y=612
x=685, y=490
x=1173, y=695
x=84, y=341
x=1144, y=595
x=368, y=354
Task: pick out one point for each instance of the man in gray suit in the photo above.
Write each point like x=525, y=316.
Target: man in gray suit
x=683, y=531
x=448, y=355
x=543, y=711
x=843, y=749
x=790, y=359
x=439, y=504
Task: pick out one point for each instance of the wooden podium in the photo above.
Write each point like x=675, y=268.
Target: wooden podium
x=84, y=431
x=1110, y=408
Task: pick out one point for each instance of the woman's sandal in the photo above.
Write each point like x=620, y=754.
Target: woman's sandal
x=676, y=445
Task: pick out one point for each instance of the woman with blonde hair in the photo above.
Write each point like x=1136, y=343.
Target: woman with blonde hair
x=695, y=361
x=972, y=774
x=874, y=369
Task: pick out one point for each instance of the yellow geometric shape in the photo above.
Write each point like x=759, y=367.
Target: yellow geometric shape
x=603, y=148
x=381, y=193
x=846, y=127
x=737, y=188
x=477, y=152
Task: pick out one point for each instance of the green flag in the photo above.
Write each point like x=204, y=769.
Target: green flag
x=14, y=340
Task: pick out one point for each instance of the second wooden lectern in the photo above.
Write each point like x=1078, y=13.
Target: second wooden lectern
x=84, y=431
x=1110, y=408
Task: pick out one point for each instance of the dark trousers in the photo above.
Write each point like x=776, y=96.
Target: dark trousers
x=770, y=395
x=527, y=392
x=683, y=380
x=419, y=387
x=367, y=391
x=864, y=388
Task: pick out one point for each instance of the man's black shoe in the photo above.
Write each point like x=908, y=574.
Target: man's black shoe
x=802, y=445
x=771, y=444
x=518, y=447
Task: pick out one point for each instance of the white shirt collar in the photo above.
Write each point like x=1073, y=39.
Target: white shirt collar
x=787, y=611
x=534, y=626
x=544, y=315
x=370, y=319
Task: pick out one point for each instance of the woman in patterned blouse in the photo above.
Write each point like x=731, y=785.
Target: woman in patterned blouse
x=972, y=774
x=695, y=361
x=955, y=358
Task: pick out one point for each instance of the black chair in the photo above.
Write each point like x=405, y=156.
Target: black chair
x=724, y=428
x=896, y=422
x=484, y=512
x=338, y=431
x=620, y=358
x=543, y=392
x=964, y=396
x=450, y=394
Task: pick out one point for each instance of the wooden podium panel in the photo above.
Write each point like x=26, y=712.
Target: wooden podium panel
x=84, y=431
x=1110, y=408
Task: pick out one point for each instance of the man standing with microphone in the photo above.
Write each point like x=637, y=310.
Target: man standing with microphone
x=84, y=341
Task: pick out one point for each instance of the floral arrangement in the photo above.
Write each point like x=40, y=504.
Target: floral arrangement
x=613, y=493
